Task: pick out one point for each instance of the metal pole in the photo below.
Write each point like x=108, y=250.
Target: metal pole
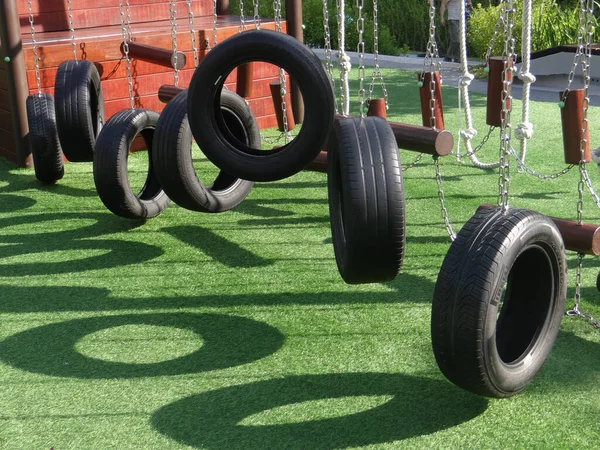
x=16, y=76
x=293, y=19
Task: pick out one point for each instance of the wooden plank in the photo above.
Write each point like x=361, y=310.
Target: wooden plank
x=102, y=17
x=7, y=141
x=46, y=6
x=4, y=99
x=6, y=121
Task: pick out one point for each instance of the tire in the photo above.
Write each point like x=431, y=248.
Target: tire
x=208, y=125
x=79, y=109
x=366, y=200
x=110, y=166
x=173, y=157
x=483, y=343
x=43, y=138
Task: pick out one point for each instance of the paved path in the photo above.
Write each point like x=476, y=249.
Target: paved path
x=545, y=88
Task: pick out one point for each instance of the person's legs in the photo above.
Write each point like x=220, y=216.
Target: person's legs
x=454, y=47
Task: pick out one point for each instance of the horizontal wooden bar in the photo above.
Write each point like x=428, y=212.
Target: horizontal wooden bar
x=319, y=164
x=421, y=139
x=583, y=238
x=156, y=55
x=168, y=92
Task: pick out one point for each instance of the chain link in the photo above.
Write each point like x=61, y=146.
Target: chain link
x=242, y=26
x=490, y=48
x=328, y=54
x=193, y=29
x=414, y=163
x=282, y=75
x=360, y=27
x=173, y=20
x=445, y=217
x=376, y=75
x=257, y=15
x=125, y=14
x=530, y=171
x=431, y=63
x=575, y=311
x=508, y=20
x=36, y=56
x=72, y=29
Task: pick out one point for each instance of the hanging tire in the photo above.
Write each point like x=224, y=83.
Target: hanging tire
x=43, y=138
x=485, y=340
x=173, y=156
x=209, y=127
x=110, y=166
x=79, y=108
x=366, y=200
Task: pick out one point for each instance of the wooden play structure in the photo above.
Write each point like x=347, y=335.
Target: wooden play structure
x=98, y=38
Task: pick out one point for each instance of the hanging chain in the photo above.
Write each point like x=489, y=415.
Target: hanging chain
x=377, y=70
x=508, y=20
x=344, y=64
x=328, y=54
x=282, y=76
x=193, y=29
x=479, y=146
x=125, y=14
x=71, y=29
x=173, y=20
x=36, y=57
x=360, y=26
x=405, y=167
x=242, y=18
x=579, y=52
x=431, y=62
x=541, y=176
x=586, y=31
x=257, y=15
x=432, y=118
x=438, y=179
x=490, y=48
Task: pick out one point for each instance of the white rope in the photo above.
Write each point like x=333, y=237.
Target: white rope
x=465, y=80
x=524, y=130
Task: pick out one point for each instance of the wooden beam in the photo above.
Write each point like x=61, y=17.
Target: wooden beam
x=155, y=55
x=581, y=238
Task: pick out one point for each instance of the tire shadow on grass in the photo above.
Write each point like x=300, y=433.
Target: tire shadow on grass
x=227, y=341
x=246, y=417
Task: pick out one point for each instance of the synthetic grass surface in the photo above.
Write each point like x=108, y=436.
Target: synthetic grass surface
x=235, y=331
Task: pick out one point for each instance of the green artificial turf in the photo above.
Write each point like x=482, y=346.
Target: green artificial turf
x=235, y=330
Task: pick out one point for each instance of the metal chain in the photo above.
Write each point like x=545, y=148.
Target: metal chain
x=257, y=15
x=479, y=146
x=575, y=311
x=590, y=187
x=414, y=163
x=377, y=70
x=328, y=54
x=344, y=95
x=215, y=18
x=193, y=30
x=445, y=217
x=360, y=27
x=579, y=52
x=282, y=76
x=242, y=26
x=488, y=53
x=36, y=56
x=508, y=20
x=71, y=29
x=173, y=20
x=126, y=33
x=431, y=62
x=530, y=171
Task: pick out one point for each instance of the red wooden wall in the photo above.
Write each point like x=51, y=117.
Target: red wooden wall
x=98, y=39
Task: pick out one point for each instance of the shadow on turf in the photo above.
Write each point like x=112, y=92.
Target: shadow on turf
x=227, y=341
x=19, y=183
x=16, y=299
x=12, y=203
x=217, y=247
x=418, y=406
x=112, y=252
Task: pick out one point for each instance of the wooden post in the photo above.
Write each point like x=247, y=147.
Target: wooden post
x=244, y=83
x=425, y=95
x=223, y=8
x=377, y=108
x=276, y=96
x=16, y=76
x=584, y=238
x=571, y=117
x=167, y=92
x=155, y=55
x=495, y=91
x=293, y=19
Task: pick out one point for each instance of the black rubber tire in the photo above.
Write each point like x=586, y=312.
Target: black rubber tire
x=173, y=156
x=79, y=109
x=43, y=138
x=366, y=200
x=208, y=125
x=483, y=343
x=110, y=166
